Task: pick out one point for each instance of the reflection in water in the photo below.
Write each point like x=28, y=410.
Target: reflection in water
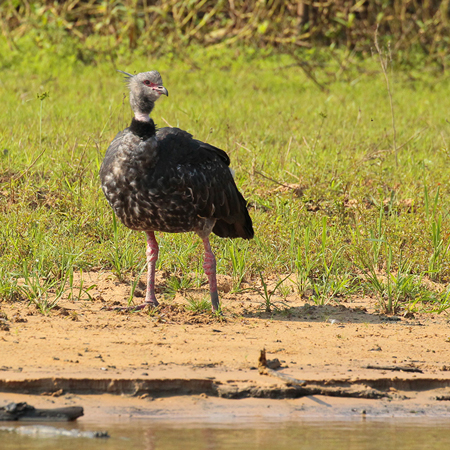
x=386, y=434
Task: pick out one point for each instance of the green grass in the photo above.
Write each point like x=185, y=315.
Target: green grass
x=330, y=207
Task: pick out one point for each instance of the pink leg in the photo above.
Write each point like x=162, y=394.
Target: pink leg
x=152, y=257
x=210, y=269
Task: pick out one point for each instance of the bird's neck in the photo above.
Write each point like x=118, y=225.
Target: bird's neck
x=142, y=117
x=141, y=106
x=145, y=129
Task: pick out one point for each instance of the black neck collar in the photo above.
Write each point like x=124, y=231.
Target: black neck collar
x=144, y=130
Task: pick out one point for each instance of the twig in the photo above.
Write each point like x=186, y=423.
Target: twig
x=412, y=137
x=165, y=121
x=30, y=166
x=264, y=370
x=287, y=151
x=308, y=72
x=378, y=153
x=306, y=142
x=396, y=368
x=324, y=116
x=293, y=175
x=272, y=180
x=245, y=148
x=383, y=68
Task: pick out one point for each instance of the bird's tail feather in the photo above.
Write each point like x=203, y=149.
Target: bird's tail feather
x=242, y=228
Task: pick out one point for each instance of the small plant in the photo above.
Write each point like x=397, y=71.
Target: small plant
x=267, y=294
x=330, y=286
x=175, y=284
x=41, y=97
x=442, y=302
x=420, y=295
x=391, y=287
x=64, y=271
x=122, y=256
x=238, y=255
x=321, y=272
x=43, y=289
x=285, y=291
x=77, y=293
x=198, y=305
x=439, y=247
x=377, y=237
x=183, y=249
x=304, y=262
x=9, y=289
x=135, y=283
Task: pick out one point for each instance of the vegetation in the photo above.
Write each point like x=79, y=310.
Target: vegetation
x=345, y=161
x=158, y=25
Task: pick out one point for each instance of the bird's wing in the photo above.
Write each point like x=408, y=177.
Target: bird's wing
x=183, y=137
x=201, y=171
x=110, y=153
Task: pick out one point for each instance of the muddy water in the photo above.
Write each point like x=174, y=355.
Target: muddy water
x=386, y=434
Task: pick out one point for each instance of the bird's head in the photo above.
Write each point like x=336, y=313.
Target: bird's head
x=145, y=89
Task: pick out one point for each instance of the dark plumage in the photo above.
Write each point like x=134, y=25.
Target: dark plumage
x=164, y=180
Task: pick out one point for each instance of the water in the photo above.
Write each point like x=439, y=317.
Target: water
x=351, y=434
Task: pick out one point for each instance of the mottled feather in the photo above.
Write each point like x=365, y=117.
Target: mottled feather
x=171, y=182
x=165, y=180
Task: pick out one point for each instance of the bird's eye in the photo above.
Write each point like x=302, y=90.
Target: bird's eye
x=147, y=82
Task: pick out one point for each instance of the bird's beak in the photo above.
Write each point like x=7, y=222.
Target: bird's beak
x=163, y=90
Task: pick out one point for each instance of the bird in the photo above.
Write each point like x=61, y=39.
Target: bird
x=164, y=180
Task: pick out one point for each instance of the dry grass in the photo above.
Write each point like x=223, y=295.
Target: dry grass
x=286, y=24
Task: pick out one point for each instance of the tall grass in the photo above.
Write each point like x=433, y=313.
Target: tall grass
x=330, y=205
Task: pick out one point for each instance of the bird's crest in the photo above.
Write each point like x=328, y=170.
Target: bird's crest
x=127, y=77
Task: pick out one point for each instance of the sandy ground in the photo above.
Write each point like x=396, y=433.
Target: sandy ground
x=81, y=350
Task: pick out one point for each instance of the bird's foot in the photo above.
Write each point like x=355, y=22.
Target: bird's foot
x=151, y=304
x=215, y=302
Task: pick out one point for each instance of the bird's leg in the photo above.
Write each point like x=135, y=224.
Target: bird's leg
x=152, y=257
x=210, y=269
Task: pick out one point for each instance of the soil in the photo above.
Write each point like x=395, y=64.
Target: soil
x=345, y=351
